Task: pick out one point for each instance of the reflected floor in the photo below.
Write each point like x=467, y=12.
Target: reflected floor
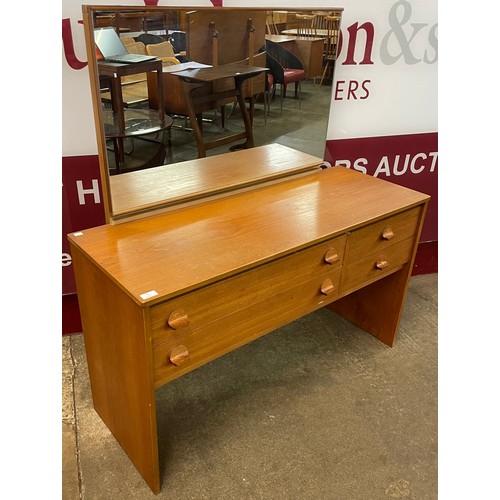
x=302, y=126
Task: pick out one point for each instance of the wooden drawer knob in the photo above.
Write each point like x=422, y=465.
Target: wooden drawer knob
x=179, y=355
x=381, y=263
x=331, y=256
x=178, y=319
x=327, y=287
x=387, y=233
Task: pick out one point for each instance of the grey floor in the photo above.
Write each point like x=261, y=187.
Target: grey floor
x=302, y=125
x=318, y=409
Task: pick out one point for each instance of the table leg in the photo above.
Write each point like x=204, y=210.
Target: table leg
x=249, y=143
x=194, y=118
x=117, y=104
x=119, y=152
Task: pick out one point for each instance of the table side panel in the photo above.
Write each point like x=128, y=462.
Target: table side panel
x=119, y=360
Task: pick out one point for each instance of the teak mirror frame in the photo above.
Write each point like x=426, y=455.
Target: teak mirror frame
x=111, y=215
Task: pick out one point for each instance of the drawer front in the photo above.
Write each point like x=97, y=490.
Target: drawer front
x=209, y=304
x=379, y=235
x=375, y=265
x=182, y=351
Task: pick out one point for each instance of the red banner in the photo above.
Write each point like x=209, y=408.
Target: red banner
x=82, y=206
x=408, y=160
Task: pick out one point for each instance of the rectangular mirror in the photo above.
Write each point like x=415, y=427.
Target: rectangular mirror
x=216, y=84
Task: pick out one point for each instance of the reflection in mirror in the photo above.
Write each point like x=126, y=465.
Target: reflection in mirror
x=216, y=80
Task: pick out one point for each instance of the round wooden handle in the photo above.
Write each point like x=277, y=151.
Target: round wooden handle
x=381, y=263
x=177, y=319
x=331, y=256
x=387, y=233
x=327, y=287
x=179, y=355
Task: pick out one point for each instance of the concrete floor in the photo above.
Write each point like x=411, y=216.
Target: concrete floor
x=302, y=126
x=318, y=409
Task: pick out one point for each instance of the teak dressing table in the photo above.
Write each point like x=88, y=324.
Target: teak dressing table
x=164, y=294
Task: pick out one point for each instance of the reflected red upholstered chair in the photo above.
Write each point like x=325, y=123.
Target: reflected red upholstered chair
x=285, y=67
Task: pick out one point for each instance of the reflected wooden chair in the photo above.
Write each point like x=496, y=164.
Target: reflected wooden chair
x=164, y=51
x=286, y=68
x=158, y=46
x=149, y=38
x=136, y=48
x=319, y=21
x=305, y=25
x=271, y=28
x=178, y=41
x=331, y=44
x=127, y=40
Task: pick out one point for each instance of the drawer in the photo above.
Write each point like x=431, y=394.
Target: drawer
x=208, y=304
x=182, y=351
x=381, y=234
x=375, y=265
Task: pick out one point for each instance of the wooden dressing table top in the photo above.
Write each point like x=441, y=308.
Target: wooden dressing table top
x=173, y=253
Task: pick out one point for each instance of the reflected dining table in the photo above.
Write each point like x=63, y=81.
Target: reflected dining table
x=203, y=87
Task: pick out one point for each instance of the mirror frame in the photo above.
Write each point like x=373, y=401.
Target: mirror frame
x=88, y=23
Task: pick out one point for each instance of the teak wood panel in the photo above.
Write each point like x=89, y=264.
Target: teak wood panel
x=310, y=52
x=381, y=234
x=218, y=300
x=233, y=42
x=243, y=325
x=119, y=358
x=196, y=179
x=363, y=271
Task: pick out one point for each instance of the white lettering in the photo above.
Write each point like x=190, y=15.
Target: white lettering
x=395, y=165
x=82, y=192
x=415, y=170
x=434, y=157
x=383, y=167
x=66, y=259
x=360, y=165
x=345, y=163
x=405, y=166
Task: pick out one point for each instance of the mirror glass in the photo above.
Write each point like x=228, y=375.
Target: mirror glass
x=182, y=104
